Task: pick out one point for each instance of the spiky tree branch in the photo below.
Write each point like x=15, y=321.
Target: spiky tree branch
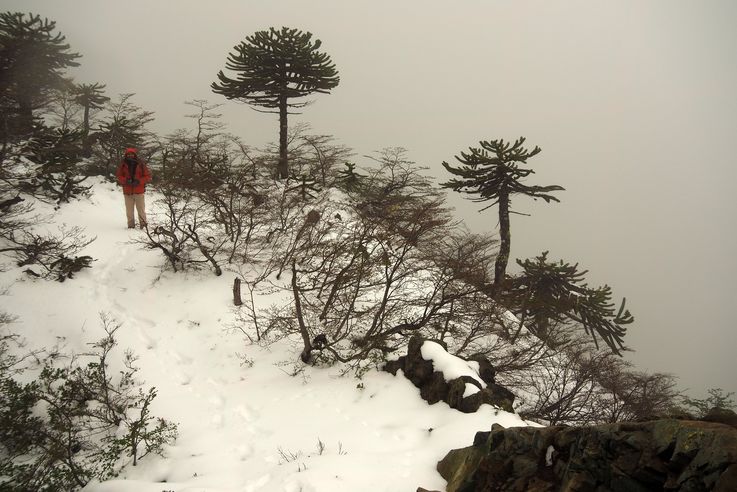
x=556, y=292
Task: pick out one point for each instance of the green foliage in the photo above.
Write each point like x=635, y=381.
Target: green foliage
x=33, y=59
x=65, y=268
x=276, y=65
x=76, y=422
x=57, y=152
x=717, y=399
x=54, y=148
x=18, y=426
x=142, y=434
x=493, y=172
x=547, y=292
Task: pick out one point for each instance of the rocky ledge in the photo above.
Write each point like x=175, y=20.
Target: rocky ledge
x=436, y=386
x=667, y=455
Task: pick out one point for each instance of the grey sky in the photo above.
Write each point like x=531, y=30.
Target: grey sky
x=632, y=102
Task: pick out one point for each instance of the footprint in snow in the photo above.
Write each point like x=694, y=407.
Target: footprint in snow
x=180, y=359
x=217, y=401
x=297, y=486
x=304, y=394
x=214, y=383
x=341, y=412
x=257, y=431
x=244, y=451
x=142, y=325
x=184, y=378
x=407, y=460
x=149, y=341
x=258, y=484
x=147, y=322
x=247, y=413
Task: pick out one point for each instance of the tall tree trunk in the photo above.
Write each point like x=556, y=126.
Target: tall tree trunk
x=283, y=169
x=86, y=147
x=500, y=266
x=25, y=117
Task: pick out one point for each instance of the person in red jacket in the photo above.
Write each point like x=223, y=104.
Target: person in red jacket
x=133, y=174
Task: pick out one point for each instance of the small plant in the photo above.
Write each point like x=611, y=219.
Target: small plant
x=76, y=422
x=142, y=433
x=245, y=360
x=341, y=451
x=288, y=456
x=293, y=369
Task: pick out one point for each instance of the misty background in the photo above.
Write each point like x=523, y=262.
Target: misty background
x=633, y=103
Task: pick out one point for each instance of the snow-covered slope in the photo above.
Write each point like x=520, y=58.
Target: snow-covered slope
x=245, y=423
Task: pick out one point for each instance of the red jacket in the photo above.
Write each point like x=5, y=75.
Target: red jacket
x=141, y=173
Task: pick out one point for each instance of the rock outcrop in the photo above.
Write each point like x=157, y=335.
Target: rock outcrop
x=434, y=387
x=670, y=455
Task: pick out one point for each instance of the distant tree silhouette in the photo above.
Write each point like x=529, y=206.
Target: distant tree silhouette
x=274, y=67
x=349, y=179
x=717, y=398
x=90, y=97
x=493, y=173
x=32, y=63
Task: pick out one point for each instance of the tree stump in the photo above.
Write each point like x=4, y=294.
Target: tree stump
x=237, y=292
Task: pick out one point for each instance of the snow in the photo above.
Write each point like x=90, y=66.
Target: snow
x=451, y=366
x=470, y=389
x=549, y=456
x=251, y=418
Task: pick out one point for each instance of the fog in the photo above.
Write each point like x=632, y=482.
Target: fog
x=633, y=104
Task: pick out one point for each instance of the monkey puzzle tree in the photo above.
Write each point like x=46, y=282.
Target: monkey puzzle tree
x=32, y=62
x=89, y=96
x=546, y=293
x=493, y=173
x=274, y=67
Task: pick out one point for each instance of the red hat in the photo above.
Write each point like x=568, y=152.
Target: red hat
x=131, y=150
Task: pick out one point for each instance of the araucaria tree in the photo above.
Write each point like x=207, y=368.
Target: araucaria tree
x=33, y=59
x=90, y=97
x=548, y=293
x=493, y=173
x=273, y=68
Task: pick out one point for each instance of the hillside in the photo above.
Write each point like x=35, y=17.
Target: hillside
x=250, y=417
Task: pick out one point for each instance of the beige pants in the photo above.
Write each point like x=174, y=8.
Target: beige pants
x=140, y=204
